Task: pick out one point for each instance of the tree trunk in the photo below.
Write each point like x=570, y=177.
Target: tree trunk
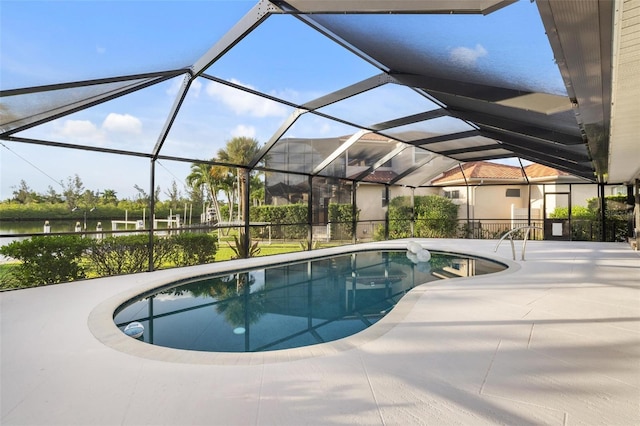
x=231, y=198
x=216, y=205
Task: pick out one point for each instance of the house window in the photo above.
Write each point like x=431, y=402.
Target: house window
x=513, y=193
x=452, y=194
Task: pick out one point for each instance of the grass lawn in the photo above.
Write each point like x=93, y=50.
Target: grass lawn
x=226, y=253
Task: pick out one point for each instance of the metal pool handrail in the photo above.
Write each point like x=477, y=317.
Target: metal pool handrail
x=510, y=235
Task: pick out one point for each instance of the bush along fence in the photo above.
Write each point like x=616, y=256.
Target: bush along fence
x=290, y=222
x=431, y=216
x=61, y=258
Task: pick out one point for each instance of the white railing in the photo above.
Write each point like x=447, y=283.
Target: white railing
x=510, y=235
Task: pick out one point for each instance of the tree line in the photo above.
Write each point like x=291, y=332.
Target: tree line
x=204, y=186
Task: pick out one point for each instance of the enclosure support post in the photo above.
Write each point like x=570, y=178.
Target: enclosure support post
x=387, y=195
x=152, y=211
x=636, y=209
x=413, y=210
x=570, y=213
x=630, y=202
x=603, y=207
x=310, y=215
x=529, y=205
x=469, y=232
x=245, y=210
x=354, y=213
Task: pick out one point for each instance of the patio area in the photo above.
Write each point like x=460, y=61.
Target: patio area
x=555, y=340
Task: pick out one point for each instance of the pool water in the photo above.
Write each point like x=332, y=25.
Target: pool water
x=289, y=305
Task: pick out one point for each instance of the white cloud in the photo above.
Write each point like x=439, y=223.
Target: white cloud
x=122, y=123
x=78, y=128
x=80, y=131
x=242, y=130
x=466, y=56
x=243, y=103
x=100, y=50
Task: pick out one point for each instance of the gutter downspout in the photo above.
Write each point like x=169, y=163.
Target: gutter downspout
x=528, y=192
x=466, y=184
x=473, y=193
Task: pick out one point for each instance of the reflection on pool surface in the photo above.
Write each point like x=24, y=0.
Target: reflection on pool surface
x=289, y=305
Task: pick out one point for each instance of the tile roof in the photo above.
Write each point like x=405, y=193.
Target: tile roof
x=538, y=170
x=493, y=171
x=378, y=176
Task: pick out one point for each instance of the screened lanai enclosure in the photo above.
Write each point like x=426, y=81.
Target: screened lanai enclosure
x=338, y=122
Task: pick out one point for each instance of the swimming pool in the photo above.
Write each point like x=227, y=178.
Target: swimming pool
x=288, y=305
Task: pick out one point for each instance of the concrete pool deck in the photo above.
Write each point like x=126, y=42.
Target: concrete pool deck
x=553, y=340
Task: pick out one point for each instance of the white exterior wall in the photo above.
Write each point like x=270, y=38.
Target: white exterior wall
x=491, y=202
x=369, y=201
x=488, y=202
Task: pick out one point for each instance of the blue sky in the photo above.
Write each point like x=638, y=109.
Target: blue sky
x=61, y=41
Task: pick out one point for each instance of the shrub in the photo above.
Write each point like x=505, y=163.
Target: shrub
x=193, y=249
x=47, y=260
x=288, y=221
x=577, y=212
x=586, y=224
x=126, y=255
x=342, y=220
x=435, y=216
x=243, y=251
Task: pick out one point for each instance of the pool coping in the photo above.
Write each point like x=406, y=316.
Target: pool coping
x=103, y=328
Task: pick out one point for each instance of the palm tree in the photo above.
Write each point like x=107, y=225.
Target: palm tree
x=240, y=151
x=257, y=190
x=109, y=197
x=201, y=176
x=224, y=179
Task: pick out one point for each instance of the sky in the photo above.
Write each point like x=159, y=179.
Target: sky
x=47, y=42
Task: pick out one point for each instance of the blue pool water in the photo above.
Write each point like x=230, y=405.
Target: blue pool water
x=290, y=305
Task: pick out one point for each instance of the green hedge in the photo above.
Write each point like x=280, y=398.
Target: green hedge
x=435, y=217
x=577, y=212
x=125, y=255
x=194, y=249
x=46, y=260
x=54, y=259
x=341, y=218
x=287, y=222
